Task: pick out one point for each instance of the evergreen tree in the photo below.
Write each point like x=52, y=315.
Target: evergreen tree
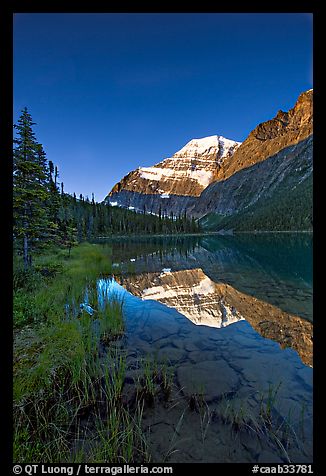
x=54, y=198
x=51, y=170
x=56, y=175
x=30, y=187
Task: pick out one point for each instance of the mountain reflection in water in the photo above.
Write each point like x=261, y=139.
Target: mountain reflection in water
x=218, y=280
x=205, y=302
x=191, y=292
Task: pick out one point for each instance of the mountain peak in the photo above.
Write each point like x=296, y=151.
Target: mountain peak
x=304, y=104
x=306, y=94
x=186, y=173
x=207, y=145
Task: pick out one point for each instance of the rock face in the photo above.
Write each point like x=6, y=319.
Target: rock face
x=152, y=203
x=186, y=174
x=282, y=172
x=270, y=137
x=272, y=166
x=217, y=177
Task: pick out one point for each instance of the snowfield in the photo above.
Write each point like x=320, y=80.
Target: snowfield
x=157, y=173
x=190, y=162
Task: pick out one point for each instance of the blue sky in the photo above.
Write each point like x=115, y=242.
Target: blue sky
x=111, y=92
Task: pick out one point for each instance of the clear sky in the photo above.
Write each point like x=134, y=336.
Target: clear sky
x=111, y=92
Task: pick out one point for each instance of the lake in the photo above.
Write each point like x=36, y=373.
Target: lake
x=231, y=317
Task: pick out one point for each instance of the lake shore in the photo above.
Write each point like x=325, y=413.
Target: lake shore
x=69, y=364
x=204, y=233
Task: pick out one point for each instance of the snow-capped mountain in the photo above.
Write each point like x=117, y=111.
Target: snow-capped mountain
x=186, y=174
x=216, y=179
x=196, y=163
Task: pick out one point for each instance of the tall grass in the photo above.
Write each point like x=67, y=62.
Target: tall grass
x=155, y=379
x=60, y=378
x=268, y=425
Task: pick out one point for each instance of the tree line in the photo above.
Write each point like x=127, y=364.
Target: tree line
x=44, y=214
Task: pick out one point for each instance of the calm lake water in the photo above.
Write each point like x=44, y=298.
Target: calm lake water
x=232, y=315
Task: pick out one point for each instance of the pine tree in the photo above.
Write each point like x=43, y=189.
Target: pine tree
x=54, y=198
x=56, y=175
x=51, y=170
x=30, y=187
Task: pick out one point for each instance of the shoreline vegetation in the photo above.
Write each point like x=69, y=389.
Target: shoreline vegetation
x=69, y=372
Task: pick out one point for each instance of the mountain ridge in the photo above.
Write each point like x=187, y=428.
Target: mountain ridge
x=187, y=172
x=269, y=137
x=214, y=175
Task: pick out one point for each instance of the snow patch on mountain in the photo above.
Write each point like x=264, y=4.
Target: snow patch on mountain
x=206, y=286
x=186, y=174
x=195, y=161
x=203, y=177
x=207, y=145
x=157, y=293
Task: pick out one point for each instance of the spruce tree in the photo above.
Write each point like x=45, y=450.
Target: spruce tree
x=30, y=187
x=51, y=170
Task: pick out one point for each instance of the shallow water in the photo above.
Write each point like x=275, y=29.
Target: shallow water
x=232, y=317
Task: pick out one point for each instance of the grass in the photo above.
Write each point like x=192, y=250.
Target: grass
x=239, y=417
x=267, y=404
x=40, y=296
x=205, y=420
x=166, y=376
x=173, y=443
x=154, y=380
x=114, y=371
x=196, y=399
x=111, y=324
x=119, y=438
x=268, y=425
x=60, y=375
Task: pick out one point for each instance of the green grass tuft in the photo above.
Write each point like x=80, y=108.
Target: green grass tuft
x=60, y=377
